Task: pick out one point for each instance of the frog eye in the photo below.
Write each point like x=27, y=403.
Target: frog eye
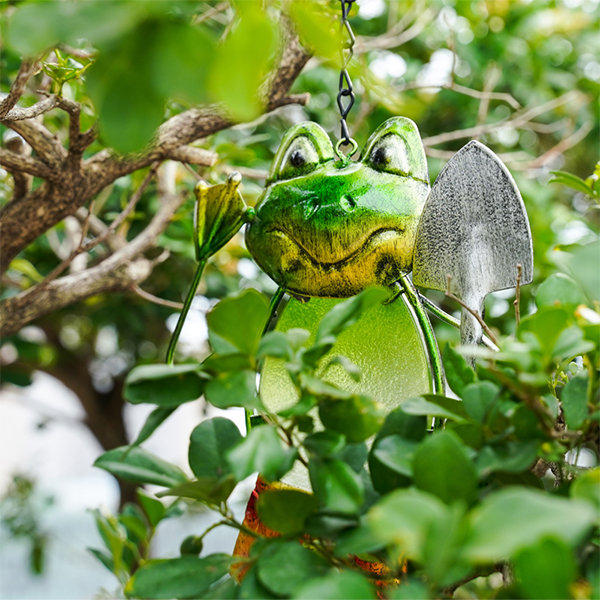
x=389, y=154
x=300, y=158
x=395, y=147
x=304, y=147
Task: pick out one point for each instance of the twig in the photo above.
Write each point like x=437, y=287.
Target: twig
x=479, y=318
x=492, y=78
x=41, y=107
x=83, y=247
x=155, y=299
x=516, y=120
x=517, y=301
x=564, y=144
x=211, y=12
x=26, y=70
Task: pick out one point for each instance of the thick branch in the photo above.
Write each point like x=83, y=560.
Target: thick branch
x=41, y=107
x=119, y=272
x=14, y=162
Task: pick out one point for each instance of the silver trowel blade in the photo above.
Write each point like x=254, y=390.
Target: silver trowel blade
x=474, y=228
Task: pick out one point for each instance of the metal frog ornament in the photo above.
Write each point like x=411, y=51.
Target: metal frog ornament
x=327, y=227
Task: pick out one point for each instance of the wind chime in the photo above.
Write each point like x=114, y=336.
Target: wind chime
x=327, y=227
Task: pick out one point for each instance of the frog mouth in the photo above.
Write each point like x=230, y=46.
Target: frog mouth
x=379, y=237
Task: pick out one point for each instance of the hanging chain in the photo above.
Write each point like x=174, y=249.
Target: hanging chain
x=345, y=97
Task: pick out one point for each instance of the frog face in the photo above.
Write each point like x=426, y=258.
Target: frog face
x=329, y=227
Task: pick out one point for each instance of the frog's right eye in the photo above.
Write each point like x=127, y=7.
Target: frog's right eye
x=300, y=158
x=304, y=147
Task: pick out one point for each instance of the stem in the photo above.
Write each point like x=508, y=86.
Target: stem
x=186, y=308
x=517, y=302
x=450, y=320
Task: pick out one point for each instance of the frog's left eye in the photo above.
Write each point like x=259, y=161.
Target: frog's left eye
x=300, y=158
x=389, y=154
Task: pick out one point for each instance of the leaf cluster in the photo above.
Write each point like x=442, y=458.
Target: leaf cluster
x=395, y=504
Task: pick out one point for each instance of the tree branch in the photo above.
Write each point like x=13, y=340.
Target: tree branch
x=14, y=162
x=27, y=69
x=76, y=182
x=121, y=271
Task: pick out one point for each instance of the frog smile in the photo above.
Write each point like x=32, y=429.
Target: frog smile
x=376, y=239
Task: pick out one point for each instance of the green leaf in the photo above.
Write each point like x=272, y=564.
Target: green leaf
x=410, y=427
x=442, y=466
x=183, y=577
x=574, y=401
x=153, y=421
x=572, y=181
x=458, y=372
x=167, y=386
x=479, y=398
x=559, y=290
x=285, y=510
x=337, y=487
x=153, y=508
x=210, y=490
x=336, y=585
x=571, y=343
x=179, y=61
x=357, y=417
x=302, y=565
x=251, y=588
x=242, y=62
x=396, y=453
x=261, y=451
x=509, y=457
x=346, y=313
x=225, y=332
x=36, y=26
x=587, y=486
x=436, y=406
x=209, y=443
x=325, y=443
x=216, y=364
x=136, y=465
x=120, y=83
x=318, y=28
x=233, y=389
x=276, y=345
x=545, y=570
x=104, y=558
x=515, y=518
x=318, y=387
x=442, y=557
x=403, y=519
x=410, y=590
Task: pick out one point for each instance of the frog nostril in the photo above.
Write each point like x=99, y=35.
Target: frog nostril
x=347, y=203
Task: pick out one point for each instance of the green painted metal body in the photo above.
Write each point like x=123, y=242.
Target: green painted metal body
x=326, y=228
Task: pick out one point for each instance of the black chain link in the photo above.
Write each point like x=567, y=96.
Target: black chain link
x=345, y=97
